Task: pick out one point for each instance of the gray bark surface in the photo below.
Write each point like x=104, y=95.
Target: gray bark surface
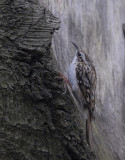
x=37, y=121
x=96, y=27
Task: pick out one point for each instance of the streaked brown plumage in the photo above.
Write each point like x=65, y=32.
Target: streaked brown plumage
x=82, y=77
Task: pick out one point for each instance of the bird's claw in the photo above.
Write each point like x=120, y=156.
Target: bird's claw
x=65, y=79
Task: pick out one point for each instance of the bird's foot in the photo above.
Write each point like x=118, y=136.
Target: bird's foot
x=65, y=79
x=61, y=76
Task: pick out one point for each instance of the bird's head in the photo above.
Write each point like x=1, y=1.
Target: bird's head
x=78, y=52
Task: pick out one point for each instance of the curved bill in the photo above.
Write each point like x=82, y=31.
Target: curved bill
x=78, y=52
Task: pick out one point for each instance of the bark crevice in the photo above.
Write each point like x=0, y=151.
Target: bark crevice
x=36, y=120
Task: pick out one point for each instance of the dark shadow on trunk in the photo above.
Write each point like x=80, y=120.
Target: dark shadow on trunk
x=36, y=120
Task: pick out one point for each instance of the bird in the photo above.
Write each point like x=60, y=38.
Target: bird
x=82, y=81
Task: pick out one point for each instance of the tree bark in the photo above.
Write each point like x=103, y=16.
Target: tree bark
x=37, y=121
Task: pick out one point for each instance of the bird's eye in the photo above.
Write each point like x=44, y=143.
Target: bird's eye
x=79, y=54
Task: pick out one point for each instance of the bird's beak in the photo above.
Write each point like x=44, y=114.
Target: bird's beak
x=75, y=45
x=78, y=52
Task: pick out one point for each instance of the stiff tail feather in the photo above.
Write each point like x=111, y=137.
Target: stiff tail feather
x=89, y=130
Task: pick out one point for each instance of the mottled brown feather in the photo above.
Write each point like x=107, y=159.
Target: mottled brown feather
x=86, y=77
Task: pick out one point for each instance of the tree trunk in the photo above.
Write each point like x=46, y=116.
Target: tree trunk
x=37, y=121
x=96, y=26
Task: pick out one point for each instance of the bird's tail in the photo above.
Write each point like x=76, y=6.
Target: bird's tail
x=89, y=130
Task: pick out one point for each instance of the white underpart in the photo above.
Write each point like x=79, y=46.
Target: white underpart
x=75, y=88
x=72, y=75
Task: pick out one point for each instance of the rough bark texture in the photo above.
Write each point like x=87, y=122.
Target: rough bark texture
x=96, y=27
x=37, y=122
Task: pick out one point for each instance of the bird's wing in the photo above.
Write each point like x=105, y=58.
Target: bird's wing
x=86, y=77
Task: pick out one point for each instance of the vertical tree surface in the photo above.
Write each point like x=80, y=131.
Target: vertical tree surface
x=96, y=26
x=37, y=121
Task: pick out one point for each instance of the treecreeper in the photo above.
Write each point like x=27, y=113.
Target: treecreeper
x=82, y=80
